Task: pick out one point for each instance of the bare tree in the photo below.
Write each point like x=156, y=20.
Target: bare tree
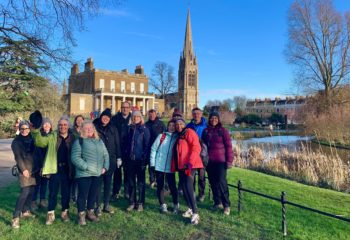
x=318, y=46
x=162, y=79
x=47, y=26
x=240, y=102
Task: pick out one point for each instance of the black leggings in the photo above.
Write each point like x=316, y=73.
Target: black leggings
x=107, y=185
x=23, y=201
x=170, y=177
x=87, y=192
x=187, y=187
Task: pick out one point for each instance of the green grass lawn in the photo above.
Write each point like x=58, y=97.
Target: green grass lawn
x=259, y=219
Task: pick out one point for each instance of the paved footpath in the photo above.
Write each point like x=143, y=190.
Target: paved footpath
x=6, y=162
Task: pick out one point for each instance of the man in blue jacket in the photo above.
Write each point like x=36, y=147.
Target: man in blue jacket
x=198, y=124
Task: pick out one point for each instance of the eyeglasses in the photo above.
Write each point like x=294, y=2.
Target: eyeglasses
x=22, y=129
x=125, y=107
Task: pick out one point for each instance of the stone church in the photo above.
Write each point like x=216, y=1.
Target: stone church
x=96, y=89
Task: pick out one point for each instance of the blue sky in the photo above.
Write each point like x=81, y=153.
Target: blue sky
x=239, y=43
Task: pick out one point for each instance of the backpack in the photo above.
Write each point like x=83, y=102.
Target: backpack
x=204, y=153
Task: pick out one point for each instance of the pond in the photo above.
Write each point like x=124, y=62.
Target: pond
x=272, y=145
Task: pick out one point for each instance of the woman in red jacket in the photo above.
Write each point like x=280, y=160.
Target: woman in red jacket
x=186, y=161
x=218, y=140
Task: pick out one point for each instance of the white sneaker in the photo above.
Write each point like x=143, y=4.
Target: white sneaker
x=163, y=208
x=188, y=213
x=195, y=219
x=176, y=208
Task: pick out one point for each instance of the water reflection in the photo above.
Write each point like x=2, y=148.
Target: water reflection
x=272, y=145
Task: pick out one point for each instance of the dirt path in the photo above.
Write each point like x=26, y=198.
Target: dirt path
x=6, y=162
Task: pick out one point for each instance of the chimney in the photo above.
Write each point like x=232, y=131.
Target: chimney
x=139, y=70
x=75, y=69
x=125, y=70
x=89, y=65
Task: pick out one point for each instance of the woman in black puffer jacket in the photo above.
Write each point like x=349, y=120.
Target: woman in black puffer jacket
x=23, y=149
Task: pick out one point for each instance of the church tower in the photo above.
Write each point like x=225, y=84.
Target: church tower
x=188, y=96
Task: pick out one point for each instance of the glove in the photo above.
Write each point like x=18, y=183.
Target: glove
x=188, y=169
x=119, y=162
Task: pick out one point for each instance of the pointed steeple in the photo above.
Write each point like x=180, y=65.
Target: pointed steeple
x=188, y=48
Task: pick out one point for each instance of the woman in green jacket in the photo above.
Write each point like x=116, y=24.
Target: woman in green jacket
x=91, y=160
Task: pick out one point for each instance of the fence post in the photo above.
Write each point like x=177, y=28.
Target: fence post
x=284, y=220
x=239, y=196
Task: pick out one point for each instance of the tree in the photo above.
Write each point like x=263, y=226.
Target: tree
x=318, y=46
x=240, y=102
x=162, y=79
x=47, y=26
x=276, y=118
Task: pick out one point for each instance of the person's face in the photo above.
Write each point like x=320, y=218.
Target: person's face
x=171, y=127
x=63, y=127
x=79, y=121
x=47, y=127
x=214, y=120
x=125, y=109
x=197, y=116
x=24, y=130
x=136, y=119
x=89, y=130
x=152, y=116
x=105, y=120
x=179, y=126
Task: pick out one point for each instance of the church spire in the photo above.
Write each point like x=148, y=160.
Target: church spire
x=188, y=49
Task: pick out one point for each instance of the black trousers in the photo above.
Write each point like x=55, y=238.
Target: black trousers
x=187, y=188
x=23, y=201
x=87, y=192
x=201, y=182
x=106, y=179
x=170, y=177
x=40, y=187
x=217, y=173
x=137, y=181
x=152, y=174
x=118, y=179
x=74, y=188
x=56, y=181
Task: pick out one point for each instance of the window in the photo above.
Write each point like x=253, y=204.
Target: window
x=112, y=85
x=132, y=87
x=81, y=104
x=192, y=80
x=142, y=87
x=102, y=83
x=122, y=86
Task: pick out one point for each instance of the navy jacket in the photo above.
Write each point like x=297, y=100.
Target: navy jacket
x=138, y=146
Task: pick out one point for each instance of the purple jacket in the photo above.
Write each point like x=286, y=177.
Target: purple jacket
x=219, y=144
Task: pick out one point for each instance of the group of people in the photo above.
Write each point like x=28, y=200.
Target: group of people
x=78, y=161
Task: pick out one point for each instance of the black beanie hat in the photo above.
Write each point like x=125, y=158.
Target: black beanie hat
x=107, y=112
x=216, y=114
x=36, y=119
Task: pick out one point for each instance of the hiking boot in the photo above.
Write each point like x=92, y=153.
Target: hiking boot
x=227, y=211
x=195, y=219
x=91, y=216
x=34, y=206
x=188, y=213
x=15, y=223
x=98, y=212
x=201, y=198
x=65, y=216
x=27, y=214
x=176, y=208
x=163, y=208
x=81, y=219
x=107, y=209
x=140, y=208
x=43, y=203
x=130, y=208
x=216, y=207
x=50, y=218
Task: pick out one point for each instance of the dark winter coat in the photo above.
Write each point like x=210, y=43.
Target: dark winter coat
x=122, y=124
x=198, y=128
x=219, y=144
x=110, y=138
x=138, y=144
x=155, y=127
x=23, y=150
x=186, y=151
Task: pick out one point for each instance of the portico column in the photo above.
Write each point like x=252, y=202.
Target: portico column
x=133, y=101
x=123, y=98
x=101, y=104
x=113, y=105
x=96, y=104
x=143, y=106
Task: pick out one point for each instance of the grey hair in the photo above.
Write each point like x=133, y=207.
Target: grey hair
x=65, y=118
